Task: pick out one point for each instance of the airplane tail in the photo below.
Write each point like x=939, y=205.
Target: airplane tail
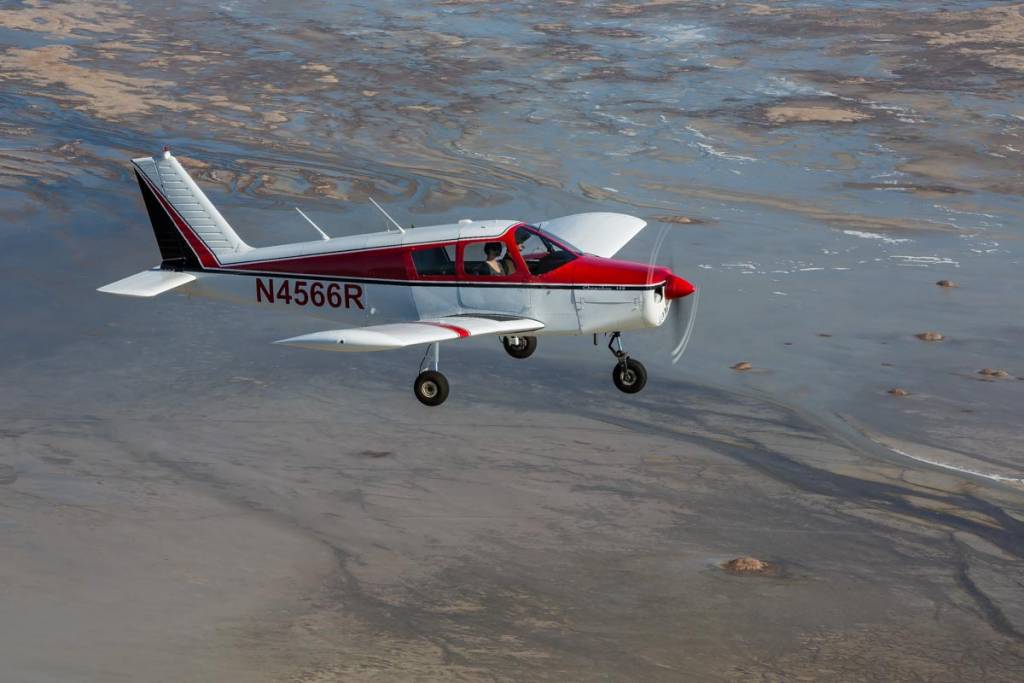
x=191, y=233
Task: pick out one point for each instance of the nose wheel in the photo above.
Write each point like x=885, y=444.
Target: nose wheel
x=629, y=374
x=431, y=386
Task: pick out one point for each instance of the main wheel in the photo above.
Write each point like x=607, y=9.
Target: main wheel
x=630, y=377
x=431, y=388
x=519, y=347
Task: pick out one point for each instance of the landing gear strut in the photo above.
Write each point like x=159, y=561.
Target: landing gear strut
x=519, y=347
x=629, y=375
x=431, y=387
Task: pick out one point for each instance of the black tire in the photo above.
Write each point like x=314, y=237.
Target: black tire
x=523, y=349
x=629, y=377
x=431, y=388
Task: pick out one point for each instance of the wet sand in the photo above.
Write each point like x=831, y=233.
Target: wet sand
x=235, y=513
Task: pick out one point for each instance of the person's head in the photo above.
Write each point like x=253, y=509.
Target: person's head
x=492, y=250
x=522, y=234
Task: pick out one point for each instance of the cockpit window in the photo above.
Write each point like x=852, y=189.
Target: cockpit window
x=487, y=258
x=541, y=253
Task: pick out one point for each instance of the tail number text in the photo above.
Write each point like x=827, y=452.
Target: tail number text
x=303, y=293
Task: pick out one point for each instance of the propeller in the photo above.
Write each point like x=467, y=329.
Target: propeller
x=683, y=300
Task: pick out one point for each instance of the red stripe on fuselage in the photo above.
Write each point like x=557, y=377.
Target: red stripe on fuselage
x=461, y=331
x=205, y=256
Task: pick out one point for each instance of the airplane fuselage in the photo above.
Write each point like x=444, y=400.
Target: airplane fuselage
x=564, y=308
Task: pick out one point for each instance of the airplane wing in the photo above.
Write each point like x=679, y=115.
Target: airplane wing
x=399, y=335
x=601, y=234
x=148, y=283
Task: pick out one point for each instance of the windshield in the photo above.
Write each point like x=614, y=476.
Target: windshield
x=541, y=252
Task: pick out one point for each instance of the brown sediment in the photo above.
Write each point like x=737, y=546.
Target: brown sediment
x=835, y=218
x=325, y=73
x=930, y=336
x=67, y=19
x=1006, y=27
x=594, y=192
x=553, y=29
x=742, y=366
x=749, y=566
x=923, y=190
x=795, y=113
x=615, y=32
x=274, y=117
x=994, y=373
x=726, y=62
x=105, y=94
x=678, y=220
x=898, y=391
x=947, y=284
x=762, y=10
x=629, y=9
x=753, y=135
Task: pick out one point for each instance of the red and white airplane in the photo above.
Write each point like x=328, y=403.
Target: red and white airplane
x=424, y=285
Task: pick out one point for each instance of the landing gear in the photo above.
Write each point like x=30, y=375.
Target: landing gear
x=431, y=387
x=519, y=347
x=629, y=375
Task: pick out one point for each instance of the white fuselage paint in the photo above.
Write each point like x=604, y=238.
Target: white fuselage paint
x=562, y=310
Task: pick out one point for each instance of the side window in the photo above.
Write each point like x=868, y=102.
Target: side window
x=435, y=260
x=488, y=259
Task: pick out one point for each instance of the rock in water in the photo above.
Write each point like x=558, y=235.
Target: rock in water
x=930, y=336
x=897, y=391
x=948, y=284
x=992, y=372
x=746, y=565
x=742, y=366
x=679, y=220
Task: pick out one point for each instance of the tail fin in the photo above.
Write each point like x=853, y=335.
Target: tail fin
x=189, y=230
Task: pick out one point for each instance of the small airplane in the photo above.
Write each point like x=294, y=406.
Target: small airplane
x=397, y=288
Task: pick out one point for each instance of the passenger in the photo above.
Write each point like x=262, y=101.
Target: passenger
x=493, y=250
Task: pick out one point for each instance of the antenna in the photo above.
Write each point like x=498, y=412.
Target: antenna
x=315, y=226
x=387, y=215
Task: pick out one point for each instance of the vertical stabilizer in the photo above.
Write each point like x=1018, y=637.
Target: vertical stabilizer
x=189, y=229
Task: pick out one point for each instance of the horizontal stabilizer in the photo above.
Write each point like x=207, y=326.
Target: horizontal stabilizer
x=600, y=233
x=148, y=283
x=399, y=335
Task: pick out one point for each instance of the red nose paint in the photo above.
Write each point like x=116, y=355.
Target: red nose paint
x=677, y=288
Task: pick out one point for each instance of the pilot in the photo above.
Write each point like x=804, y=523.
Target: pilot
x=492, y=250
x=509, y=263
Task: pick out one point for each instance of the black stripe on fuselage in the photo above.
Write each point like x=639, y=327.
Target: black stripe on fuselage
x=427, y=283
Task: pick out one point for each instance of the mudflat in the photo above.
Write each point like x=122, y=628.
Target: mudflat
x=280, y=525
x=180, y=500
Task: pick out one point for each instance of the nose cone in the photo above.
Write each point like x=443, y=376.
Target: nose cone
x=677, y=288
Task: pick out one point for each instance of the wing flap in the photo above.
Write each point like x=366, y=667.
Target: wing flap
x=400, y=335
x=148, y=283
x=598, y=233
